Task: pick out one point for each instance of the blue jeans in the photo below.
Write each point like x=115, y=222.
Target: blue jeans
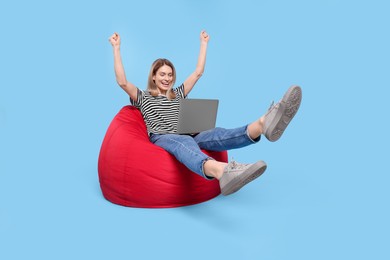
x=187, y=149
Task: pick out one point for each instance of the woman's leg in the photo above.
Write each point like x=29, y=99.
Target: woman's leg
x=221, y=139
x=272, y=124
x=187, y=151
x=232, y=176
x=255, y=129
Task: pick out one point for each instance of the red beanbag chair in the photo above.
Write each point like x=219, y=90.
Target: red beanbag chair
x=136, y=173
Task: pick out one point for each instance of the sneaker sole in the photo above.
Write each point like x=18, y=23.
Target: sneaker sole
x=246, y=177
x=289, y=106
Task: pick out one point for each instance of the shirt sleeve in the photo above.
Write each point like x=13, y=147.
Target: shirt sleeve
x=140, y=96
x=179, y=91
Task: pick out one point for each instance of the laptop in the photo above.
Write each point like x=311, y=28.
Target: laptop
x=197, y=115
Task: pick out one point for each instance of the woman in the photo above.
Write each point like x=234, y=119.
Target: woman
x=159, y=105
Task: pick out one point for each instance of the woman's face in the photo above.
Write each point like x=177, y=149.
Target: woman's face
x=163, y=78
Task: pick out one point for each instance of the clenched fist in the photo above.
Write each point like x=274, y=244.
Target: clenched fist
x=115, y=40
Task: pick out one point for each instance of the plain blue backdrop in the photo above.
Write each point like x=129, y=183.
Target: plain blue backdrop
x=325, y=194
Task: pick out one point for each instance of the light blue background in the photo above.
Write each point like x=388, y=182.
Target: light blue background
x=326, y=192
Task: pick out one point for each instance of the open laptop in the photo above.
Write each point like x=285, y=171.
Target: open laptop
x=197, y=115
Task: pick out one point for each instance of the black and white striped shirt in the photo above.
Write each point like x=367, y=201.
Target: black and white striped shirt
x=160, y=114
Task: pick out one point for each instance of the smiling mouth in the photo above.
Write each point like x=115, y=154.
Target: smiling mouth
x=165, y=84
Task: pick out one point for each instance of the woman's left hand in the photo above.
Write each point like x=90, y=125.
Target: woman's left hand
x=204, y=37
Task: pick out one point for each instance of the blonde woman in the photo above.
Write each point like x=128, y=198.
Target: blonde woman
x=159, y=105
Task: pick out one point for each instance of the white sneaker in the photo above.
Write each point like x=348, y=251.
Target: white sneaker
x=236, y=175
x=279, y=115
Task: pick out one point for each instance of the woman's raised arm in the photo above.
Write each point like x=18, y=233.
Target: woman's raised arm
x=120, y=75
x=189, y=83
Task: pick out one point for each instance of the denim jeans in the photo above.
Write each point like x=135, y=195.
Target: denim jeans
x=187, y=149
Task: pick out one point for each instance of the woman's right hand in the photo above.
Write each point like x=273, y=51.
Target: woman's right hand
x=115, y=40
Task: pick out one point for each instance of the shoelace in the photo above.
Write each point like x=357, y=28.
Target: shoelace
x=272, y=107
x=233, y=165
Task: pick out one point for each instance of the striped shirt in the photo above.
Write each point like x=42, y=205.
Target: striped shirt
x=160, y=114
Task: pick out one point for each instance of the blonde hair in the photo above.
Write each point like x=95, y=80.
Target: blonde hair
x=152, y=87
